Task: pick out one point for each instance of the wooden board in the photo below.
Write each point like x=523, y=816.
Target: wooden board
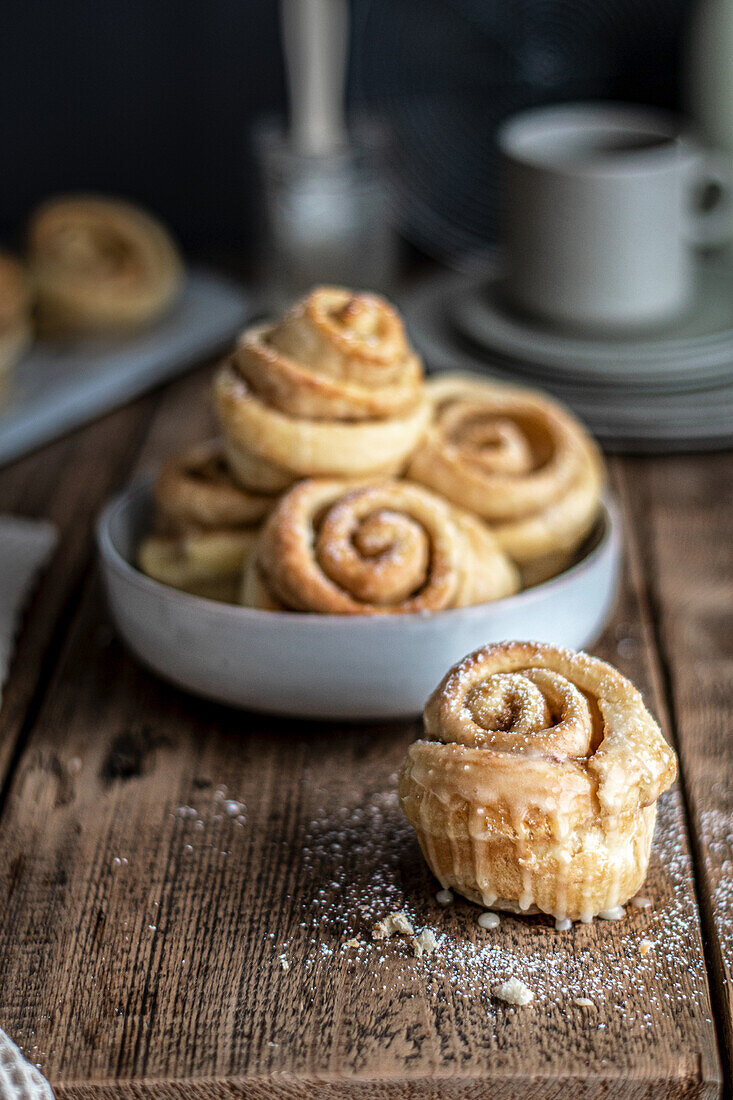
x=64, y=483
x=683, y=510
x=180, y=882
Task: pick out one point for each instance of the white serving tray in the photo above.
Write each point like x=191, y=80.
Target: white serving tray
x=57, y=386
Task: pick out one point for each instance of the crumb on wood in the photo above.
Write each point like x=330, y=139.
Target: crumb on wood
x=645, y=947
x=397, y=922
x=424, y=943
x=513, y=992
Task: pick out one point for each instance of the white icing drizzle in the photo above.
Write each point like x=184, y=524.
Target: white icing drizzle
x=519, y=824
x=616, y=913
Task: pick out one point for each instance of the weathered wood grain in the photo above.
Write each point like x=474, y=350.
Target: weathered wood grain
x=185, y=416
x=683, y=513
x=65, y=482
x=180, y=882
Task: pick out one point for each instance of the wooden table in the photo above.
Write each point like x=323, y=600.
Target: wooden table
x=180, y=881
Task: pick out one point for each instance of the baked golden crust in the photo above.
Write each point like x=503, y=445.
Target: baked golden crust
x=382, y=548
x=331, y=390
x=517, y=459
x=206, y=525
x=203, y=563
x=269, y=450
x=196, y=490
x=15, y=305
x=100, y=265
x=536, y=781
x=334, y=356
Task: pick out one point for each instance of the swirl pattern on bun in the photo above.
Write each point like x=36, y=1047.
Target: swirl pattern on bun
x=100, y=265
x=195, y=490
x=517, y=459
x=206, y=525
x=331, y=390
x=377, y=549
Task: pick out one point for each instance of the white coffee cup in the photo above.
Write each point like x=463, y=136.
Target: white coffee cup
x=604, y=205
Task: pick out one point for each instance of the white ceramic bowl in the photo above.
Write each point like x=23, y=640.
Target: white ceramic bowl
x=333, y=666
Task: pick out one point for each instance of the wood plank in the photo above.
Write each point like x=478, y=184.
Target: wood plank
x=65, y=482
x=185, y=417
x=147, y=925
x=683, y=511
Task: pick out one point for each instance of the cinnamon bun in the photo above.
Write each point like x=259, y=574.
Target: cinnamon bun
x=383, y=548
x=206, y=525
x=100, y=265
x=331, y=390
x=202, y=563
x=196, y=490
x=517, y=459
x=535, y=784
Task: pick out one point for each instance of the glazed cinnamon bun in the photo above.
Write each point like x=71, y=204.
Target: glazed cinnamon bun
x=373, y=549
x=517, y=459
x=100, y=265
x=331, y=390
x=535, y=784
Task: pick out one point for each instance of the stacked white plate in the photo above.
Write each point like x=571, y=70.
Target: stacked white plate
x=661, y=390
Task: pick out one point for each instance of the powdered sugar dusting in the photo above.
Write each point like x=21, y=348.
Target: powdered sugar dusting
x=352, y=860
x=367, y=864
x=716, y=830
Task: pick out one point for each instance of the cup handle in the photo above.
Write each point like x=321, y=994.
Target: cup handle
x=710, y=218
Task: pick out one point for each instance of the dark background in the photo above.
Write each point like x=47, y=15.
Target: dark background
x=153, y=99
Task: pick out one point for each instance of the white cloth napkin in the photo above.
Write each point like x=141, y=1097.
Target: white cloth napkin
x=19, y=1080
x=25, y=547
